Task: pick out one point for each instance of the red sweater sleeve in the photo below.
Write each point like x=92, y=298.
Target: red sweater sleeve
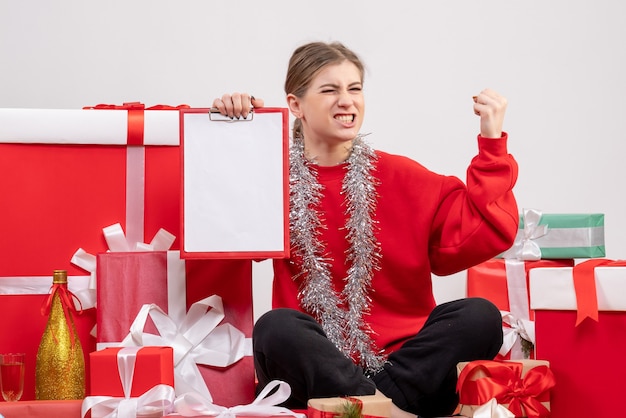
x=476, y=222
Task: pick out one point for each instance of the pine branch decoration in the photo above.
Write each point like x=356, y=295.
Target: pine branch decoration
x=352, y=408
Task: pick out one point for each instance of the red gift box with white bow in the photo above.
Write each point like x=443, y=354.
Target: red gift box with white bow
x=130, y=381
x=201, y=308
x=69, y=173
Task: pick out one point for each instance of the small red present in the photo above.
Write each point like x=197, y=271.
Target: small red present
x=151, y=366
x=131, y=381
x=505, y=283
x=522, y=386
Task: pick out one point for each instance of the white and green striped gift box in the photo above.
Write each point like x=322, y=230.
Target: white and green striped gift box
x=558, y=236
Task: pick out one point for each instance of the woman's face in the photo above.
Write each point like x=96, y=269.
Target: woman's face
x=332, y=108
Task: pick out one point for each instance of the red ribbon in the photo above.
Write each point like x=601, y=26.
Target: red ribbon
x=135, y=117
x=585, y=287
x=67, y=303
x=316, y=413
x=503, y=381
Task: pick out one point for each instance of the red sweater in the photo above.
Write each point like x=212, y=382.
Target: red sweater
x=428, y=223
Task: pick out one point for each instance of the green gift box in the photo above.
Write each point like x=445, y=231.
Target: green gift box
x=558, y=236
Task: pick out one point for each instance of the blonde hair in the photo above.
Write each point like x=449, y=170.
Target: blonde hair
x=309, y=59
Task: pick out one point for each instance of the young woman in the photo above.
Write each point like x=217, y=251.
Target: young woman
x=354, y=310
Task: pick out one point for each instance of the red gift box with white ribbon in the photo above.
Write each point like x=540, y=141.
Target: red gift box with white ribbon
x=580, y=316
x=67, y=173
x=130, y=381
x=70, y=172
x=504, y=282
x=201, y=308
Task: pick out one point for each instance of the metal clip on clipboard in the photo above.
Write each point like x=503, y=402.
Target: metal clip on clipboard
x=216, y=116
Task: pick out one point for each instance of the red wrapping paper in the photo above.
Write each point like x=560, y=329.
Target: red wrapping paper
x=63, y=195
x=127, y=281
x=153, y=366
x=587, y=361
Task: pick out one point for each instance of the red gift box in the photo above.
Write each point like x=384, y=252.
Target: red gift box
x=129, y=281
x=153, y=366
x=67, y=174
x=505, y=283
x=587, y=358
x=522, y=386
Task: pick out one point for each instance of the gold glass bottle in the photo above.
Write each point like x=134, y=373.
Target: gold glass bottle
x=60, y=368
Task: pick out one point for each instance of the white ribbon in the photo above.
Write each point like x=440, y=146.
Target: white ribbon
x=517, y=288
x=87, y=262
x=524, y=247
x=197, y=340
x=518, y=328
x=40, y=285
x=158, y=399
x=193, y=404
x=117, y=241
x=519, y=316
x=492, y=409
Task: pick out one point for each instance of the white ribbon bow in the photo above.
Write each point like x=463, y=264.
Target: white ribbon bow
x=193, y=404
x=518, y=328
x=117, y=241
x=492, y=409
x=197, y=340
x=158, y=399
x=525, y=248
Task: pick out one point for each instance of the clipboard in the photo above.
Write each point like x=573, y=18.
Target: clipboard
x=235, y=185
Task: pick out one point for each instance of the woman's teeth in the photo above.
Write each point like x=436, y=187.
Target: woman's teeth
x=345, y=118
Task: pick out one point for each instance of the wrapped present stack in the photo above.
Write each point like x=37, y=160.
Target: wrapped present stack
x=543, y=240
x=526, y=283
x=97, y=192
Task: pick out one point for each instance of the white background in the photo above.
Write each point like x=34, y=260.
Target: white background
x=561, y=64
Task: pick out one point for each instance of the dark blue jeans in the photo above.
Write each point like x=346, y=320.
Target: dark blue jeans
x=420, y=377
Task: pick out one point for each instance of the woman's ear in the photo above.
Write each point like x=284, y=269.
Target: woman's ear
x=294, y=105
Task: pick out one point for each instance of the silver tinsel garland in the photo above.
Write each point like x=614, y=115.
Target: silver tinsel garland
x=346, y=328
